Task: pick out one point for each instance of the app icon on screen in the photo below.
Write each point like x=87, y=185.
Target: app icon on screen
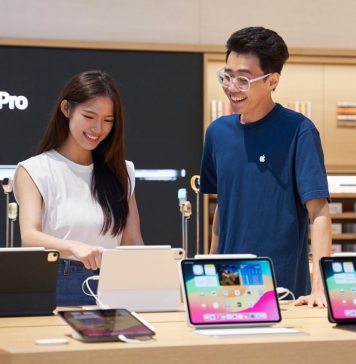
x=209, y=269
x=198, y=269
x=348, y=267
x=337, y=267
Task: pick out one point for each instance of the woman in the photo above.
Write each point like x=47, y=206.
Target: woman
x=77, y=194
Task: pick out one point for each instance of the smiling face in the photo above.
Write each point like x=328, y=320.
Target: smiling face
x=90, y=123
x=257, y=102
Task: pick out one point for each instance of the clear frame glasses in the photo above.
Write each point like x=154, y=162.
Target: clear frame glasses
x=241, y=82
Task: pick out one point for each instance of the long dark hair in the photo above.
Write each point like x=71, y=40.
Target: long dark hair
x=110, y=184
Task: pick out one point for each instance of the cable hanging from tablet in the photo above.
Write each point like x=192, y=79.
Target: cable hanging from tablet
x=283, y=293
x=86, y=285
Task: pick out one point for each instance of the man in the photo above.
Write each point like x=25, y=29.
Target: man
x=266, y=165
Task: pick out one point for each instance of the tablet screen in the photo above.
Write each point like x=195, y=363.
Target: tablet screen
x=230, y=291
x=105, y=325
x=339, y=279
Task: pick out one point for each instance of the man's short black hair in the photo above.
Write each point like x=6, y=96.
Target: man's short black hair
x=264, y=43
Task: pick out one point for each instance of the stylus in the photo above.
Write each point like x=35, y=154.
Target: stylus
x=52, y=341
x=344, y=254
x=223, y=256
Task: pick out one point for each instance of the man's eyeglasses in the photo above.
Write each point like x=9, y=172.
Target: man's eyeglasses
x=241, y=82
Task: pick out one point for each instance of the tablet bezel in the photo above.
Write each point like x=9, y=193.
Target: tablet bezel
x=227, y=324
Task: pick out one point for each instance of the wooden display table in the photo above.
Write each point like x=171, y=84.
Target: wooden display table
x=177, y=343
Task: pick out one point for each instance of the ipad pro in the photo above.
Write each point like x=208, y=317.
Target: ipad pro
x=230, y=292
x=107, y=325
x=141, y=278
x=28, y=281
x=339, y=278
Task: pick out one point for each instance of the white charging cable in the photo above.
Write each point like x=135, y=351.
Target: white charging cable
x=282, y=293
x=89, y=292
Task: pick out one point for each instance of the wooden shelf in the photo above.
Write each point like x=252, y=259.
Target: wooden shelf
x=344, y=216
x=344, y=236
x=342, y=195
x=347, y=217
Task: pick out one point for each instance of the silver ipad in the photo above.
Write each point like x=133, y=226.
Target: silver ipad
x=230, y=292
x=140, y=278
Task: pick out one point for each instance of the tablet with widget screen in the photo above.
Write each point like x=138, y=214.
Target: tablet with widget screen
x=339, y=279
x=230, y=292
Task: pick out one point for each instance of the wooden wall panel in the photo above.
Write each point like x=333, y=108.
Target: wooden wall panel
x=340, y=142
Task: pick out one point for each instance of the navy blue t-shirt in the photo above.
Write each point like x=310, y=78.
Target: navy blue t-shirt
x=263, y=174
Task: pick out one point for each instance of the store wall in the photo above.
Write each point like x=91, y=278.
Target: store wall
x=303, y=23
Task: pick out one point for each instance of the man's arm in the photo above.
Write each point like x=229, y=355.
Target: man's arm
x=320, y=221
x=215, y=233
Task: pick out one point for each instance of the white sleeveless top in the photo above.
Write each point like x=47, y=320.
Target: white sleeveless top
x=69, y=211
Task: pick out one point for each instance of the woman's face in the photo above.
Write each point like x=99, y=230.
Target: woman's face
x=90, y=122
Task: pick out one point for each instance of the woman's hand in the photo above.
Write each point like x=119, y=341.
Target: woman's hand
x=89, y=255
